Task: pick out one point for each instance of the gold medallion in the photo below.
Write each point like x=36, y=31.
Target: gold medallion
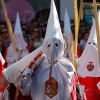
x=51, y=87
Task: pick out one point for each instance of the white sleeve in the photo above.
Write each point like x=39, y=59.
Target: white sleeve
x=6, y=94
x=11, y=59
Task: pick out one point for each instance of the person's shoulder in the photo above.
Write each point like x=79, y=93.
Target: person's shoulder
x=66, y=63
x=82, y=42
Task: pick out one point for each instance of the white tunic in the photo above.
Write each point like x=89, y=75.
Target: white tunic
x=10, y=57
x=62, y=72
x=5, y=94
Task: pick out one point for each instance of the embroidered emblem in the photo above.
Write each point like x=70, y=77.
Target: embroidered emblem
x=90, y=66
x=51, y=87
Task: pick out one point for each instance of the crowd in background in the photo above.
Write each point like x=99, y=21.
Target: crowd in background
x=34, y=33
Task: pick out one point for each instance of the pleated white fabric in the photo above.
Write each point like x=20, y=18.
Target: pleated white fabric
x=62, y=72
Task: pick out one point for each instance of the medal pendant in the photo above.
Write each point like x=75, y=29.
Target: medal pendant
x=51, y=87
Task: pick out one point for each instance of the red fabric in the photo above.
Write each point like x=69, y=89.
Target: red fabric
x=34, y=60
x=2, y=89
x=5, y=55
x=73, y=93
x=20, y=97
x=1, y=68
x=90, y=83
x=92, y=95
x=78, y=51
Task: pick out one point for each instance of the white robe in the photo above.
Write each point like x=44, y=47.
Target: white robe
x=62, y=72
x=10, y=57
x=6, y=95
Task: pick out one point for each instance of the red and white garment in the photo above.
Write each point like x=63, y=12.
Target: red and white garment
x=20, y=44
x=2, y=62
x=10, y=57
x=88, y=69
x=62, y=71
x=4, y=95
x=91, y=95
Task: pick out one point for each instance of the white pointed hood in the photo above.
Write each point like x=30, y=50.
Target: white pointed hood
x=93, y=34
x=53, y=26
x=53, y=45
x=89, y=55
x=67, y=29
x=67, y=26
x=92, y=37
x=88, y=63
x=18, y=36
x=17, y=28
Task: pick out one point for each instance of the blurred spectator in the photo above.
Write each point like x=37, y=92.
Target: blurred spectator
x=80, y=37
x=83, y=30
x=24, y=26
x=42, y=28
x=24, y=33
x=34, y=22
x=26, y=40
x=2, y=25
x=36, y=40
x=41, y=24
x=5, y=36
x=84, y=41
x=82, y=23
x=41, y=32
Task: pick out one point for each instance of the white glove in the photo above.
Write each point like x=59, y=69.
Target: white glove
x=24, y=82
x=26, y=79
x=28, y=71
x=18, y=47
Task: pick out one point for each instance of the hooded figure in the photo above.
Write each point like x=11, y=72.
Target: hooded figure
x=93, y=36
x=88, y=67
x=68, y=35
x=21, y=46
x=54, y=77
